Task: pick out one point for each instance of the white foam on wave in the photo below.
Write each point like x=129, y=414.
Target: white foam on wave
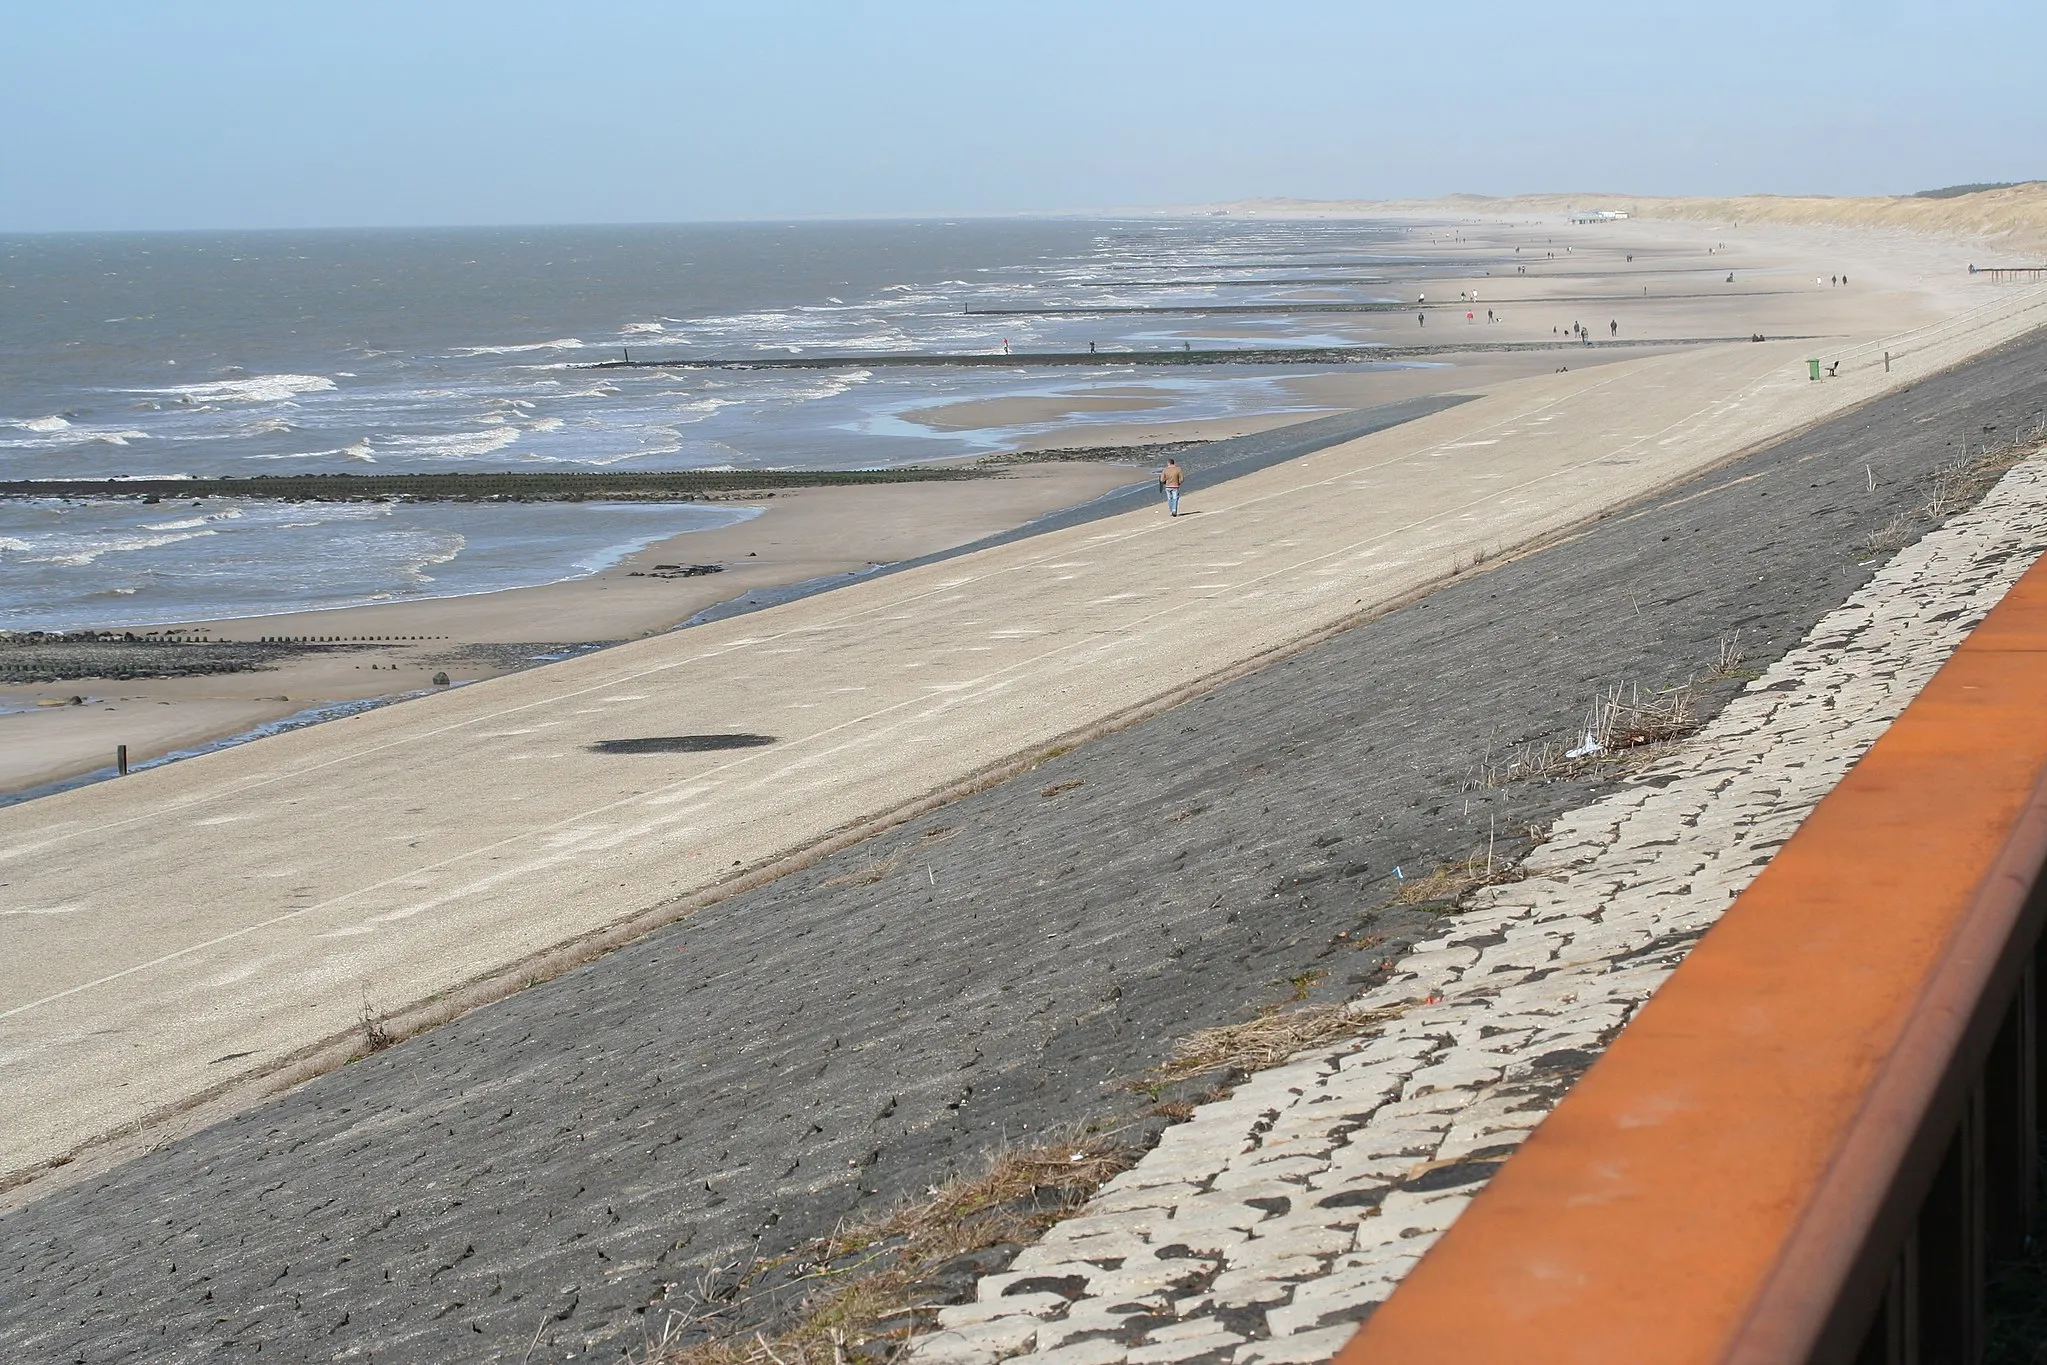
x=76, y=552
x=641, y=329
x=259, y=388
x=440, y=550
x=73, y=435
x=359, y=451
x=558, y=344
x=188, y=523
x=454, y=446
x=50, y=423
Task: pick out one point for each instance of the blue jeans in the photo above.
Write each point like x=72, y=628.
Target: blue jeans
x=1173, y=502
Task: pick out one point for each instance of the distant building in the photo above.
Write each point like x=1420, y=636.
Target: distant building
x=1597, y=216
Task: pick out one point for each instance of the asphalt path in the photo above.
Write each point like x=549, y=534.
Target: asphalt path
x=536, y=1175
x=1207, y=465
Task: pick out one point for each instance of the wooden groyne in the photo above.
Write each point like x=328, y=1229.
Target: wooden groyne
x=554, y=486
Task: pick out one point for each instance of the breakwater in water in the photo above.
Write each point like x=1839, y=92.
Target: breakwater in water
x=653, y=486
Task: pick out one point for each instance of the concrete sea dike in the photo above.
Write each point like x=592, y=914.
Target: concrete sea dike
x=584, y=1154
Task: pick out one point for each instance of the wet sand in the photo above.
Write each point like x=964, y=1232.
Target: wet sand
x=800, y=535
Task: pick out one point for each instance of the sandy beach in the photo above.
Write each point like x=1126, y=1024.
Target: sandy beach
x=800, y=535
x=1637, y=280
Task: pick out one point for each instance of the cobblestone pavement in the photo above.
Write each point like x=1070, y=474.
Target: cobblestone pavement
x=1264, y=1228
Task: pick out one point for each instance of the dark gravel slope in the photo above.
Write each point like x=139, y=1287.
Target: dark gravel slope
x=543, y=1167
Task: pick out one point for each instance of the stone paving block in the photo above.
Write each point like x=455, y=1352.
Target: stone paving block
x=1189, y=1328
x=1454, y=1073
x=986, y=1341
x=1297, y=1241
x=1403, y=1214
x=1462, y=1142
x=1042, y=1258
x=1084, y=1353
x=1089, y=1225
x=1201, y=1239
x=1028, y=1305
x=1434, y=968
x=1163, y=1195
x=1250, y=1170
x=1184, y=1348
x=1307, y=1348
x=1369, y=1282
x=991, y=1288
x=1353, y=1166
x=1265, y=1283
x=1302, y=1316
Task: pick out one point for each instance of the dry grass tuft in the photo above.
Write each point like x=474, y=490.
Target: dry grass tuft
x=1728, y=659
x=1957, y=483
x=375, y=1036
x=1452, y=882
x=866, y=875
x=861, y=1288
x=1619, y=720
x=1267, y=1040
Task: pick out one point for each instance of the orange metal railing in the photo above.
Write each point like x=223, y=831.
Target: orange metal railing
x=1812, y=1143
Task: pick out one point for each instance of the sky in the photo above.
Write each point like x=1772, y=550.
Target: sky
x=123, y=115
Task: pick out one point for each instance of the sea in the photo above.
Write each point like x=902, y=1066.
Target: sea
x=210, y=354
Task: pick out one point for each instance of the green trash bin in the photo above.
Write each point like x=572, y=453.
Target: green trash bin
x=1812, y=369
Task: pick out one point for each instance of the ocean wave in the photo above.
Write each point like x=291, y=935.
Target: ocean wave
x=445, y=548
x=559, y=344
x=189, y=523
x=454, y=446
x=50, y=423
x=76, y=552
x=260, y=388
x=641, y=329
x=75, y=436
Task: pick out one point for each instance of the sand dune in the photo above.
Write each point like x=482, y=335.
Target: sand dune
x=2014, y=218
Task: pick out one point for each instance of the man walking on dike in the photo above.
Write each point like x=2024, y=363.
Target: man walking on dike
x=1169, y=484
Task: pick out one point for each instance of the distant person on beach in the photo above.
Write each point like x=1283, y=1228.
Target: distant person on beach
x=1169, y=484
x=1421, y=319
x=1614, y=327
x=1090, y=348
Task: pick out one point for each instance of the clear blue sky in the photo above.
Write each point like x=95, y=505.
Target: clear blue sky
x=273, y=113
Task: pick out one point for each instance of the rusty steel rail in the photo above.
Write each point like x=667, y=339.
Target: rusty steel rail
x=1816, y=1139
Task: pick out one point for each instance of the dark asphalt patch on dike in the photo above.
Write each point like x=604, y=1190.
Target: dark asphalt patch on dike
x=828, y=1044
